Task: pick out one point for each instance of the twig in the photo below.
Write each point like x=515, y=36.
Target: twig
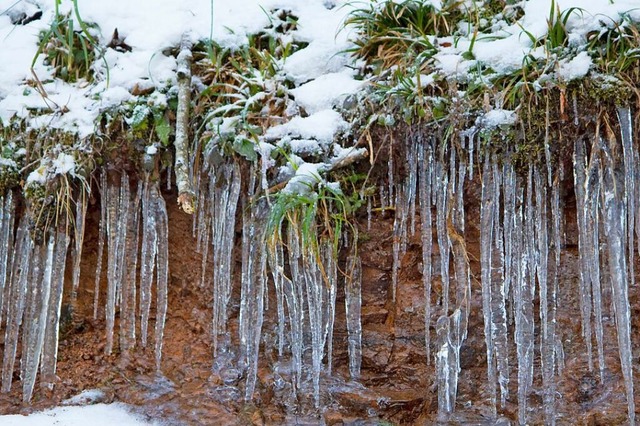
x=186, y=195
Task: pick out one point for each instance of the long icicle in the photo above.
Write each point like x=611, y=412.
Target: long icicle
x=162, y=273
x=50, y=349
x=487, y=216
x=425, y=167
x=615, y=218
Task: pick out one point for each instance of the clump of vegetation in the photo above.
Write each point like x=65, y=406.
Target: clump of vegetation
x=62, y=170
x=410, y=48
x=70, y=51
x=11, y=161
x=246, y=93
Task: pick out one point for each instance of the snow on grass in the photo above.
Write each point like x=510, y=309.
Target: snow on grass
x=321, y=126
x=152, y=28
x=96, y=415
x=575, y=68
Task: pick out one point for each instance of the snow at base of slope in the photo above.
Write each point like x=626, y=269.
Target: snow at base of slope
x=95, y=415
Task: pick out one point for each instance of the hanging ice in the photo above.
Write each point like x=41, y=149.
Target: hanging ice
x=225, y=189
x=353, y=307
x=615, y=223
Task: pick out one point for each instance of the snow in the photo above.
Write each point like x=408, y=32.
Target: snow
x=85, y=397
x=64, y=164
x=97, y=415
x=498, y=117
x=7, y=162
x=326, y=90
x=576, y=68
x=306, y=177
x=38, y=176
x=151, y=28
x=321, y=126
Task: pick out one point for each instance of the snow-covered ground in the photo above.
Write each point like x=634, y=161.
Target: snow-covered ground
x=78, y=410
x=97, y=415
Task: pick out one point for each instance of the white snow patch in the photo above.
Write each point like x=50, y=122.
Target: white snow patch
x=64, y=164
x=38, y=176
x=575, y=68
x=305, y=179
x=95, y=415
x=88, y=396
x=7, y=162
x=498, y=117
x=321, y=126
x=325, y=91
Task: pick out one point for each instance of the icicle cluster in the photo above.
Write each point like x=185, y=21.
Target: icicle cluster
x=136, y=229
x=521, y=239
x=31, y=284
x=520, y=235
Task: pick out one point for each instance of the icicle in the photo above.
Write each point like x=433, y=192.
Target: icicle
x=226, y=191
x=615, y=221
x=329, y=258
x=276, y=265
x=205, y=227
x=117, y=214
x=147, y=257
x=405, y=209
x=128, y=303
x=547, y=337
x=584, y=239
x=425, y=164
x=7, y=219
x=629, y=155
x=399, y=229
x=314, y=285
x=557, y=221
x=446, y=369
x=525, y=263
x=162, y=273
x=383, y=200
x=390, y=172
x=487, y=217
x=81, y=213
x=353, y=307
x=295, y=303
x=508, y=223
x=498, y=292
x=50, y=349
x=16, y=293
x=253, y=284
x=441, y=185
x=37, y=303
x=592, y=245
x=471, y=137
x=411, y=182
x=104, y=200
x=201, y=219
